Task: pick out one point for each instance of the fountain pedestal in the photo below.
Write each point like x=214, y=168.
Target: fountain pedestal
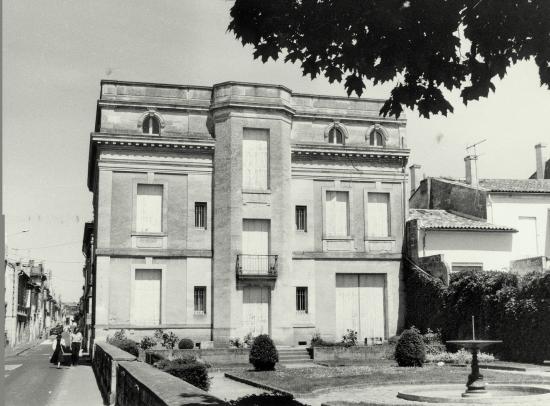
x=475, y=385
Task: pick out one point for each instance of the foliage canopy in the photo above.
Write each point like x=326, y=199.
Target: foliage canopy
x=424, y=45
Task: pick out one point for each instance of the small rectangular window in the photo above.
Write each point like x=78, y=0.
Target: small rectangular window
x=301, y=218
x=200, y=299
x=200, y=215
x=301, y=299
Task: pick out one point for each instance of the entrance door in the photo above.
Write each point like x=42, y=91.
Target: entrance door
x=360, y=306
x=256, y=310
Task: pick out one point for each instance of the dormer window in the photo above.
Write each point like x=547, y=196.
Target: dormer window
x=151, y=125
x=376, y=139
x=335, y=136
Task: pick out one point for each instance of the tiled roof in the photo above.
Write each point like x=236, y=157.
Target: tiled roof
x=516, y=185
x=444, y=220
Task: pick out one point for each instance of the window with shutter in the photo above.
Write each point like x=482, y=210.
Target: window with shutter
x=337, y=214
x=147, y=297
x=378, y=215
x=149, y=208
x=255, y=150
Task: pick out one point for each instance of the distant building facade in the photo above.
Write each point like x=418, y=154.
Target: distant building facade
x=31, y=308
x=245, y=208
x=484, y=224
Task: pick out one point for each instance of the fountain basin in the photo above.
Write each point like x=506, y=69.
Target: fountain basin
x=499, y=394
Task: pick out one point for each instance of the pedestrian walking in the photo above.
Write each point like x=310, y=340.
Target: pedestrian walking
x=58, y=352
x=76, y=342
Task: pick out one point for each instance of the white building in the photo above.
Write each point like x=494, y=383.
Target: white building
x=490, y=224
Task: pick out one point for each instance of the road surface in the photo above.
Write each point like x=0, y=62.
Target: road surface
x=31, y=380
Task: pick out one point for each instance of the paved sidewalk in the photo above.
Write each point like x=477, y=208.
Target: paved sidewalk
x=78, y=386
x=11, y=351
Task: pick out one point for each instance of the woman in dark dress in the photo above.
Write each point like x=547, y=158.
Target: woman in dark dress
x=57, y=356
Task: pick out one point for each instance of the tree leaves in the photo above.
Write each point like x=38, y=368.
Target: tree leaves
x=418, y=44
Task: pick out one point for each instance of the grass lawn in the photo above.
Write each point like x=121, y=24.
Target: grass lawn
x=306, y=380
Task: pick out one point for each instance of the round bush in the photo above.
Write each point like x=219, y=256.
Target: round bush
x=186, y=344
x=410, y=350
x=190, y=371
x=263, y=354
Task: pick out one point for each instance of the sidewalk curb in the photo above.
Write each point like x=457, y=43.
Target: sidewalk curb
x=257, y=384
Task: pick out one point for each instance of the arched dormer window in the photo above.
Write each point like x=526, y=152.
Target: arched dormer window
x=151, y=125
x=376, y=139
x=376, y=136
x=335, y=136
x=151, y=122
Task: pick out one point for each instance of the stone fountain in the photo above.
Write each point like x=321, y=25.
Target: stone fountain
x=476, y=389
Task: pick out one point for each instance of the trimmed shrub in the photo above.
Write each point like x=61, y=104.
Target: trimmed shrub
x=263, y=354
x=410, y=350
x=186, y=344
x=188, y=370
x=127, y=345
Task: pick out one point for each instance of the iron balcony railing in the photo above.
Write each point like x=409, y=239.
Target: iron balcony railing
x=263, y=266
x=22, y=310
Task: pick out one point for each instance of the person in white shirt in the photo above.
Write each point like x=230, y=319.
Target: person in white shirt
x=76, y=342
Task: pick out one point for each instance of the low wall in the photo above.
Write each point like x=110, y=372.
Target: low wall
x=104, y=363
x=140, y=384
x=355, y=353
x=214, y=356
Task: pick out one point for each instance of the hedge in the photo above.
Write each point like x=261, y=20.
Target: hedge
x=506, y=307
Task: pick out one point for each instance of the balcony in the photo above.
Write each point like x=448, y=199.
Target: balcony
x=22, y=310
x=250, y=267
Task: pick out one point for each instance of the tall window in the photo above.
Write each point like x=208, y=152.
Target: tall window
x=301, y=218
x=200, y=215
x=376, y=139
x=151, y=125
x=147, y=297
x=337, y=214
x=301, y=299
x=255, y=159
x=378, y=215
x=200, y=299
x=335, y=136
x=149, y=208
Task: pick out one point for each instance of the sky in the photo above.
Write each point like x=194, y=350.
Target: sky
x=56, y=52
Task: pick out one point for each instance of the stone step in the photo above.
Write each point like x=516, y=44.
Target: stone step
x=293, y=358
x=297, y=361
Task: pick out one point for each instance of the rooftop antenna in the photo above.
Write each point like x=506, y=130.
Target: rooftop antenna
x=475, y=154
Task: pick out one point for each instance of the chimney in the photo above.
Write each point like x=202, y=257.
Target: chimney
x=540, y=154
x=415, y=177
x=471, y=170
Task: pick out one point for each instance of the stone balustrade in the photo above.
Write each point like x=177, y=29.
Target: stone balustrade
x=355, y=353
x=213, y=356
x=126, y=382
x=105, y=360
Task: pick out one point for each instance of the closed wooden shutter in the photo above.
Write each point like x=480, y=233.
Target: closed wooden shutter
x=378, y=220
x=147, y=297
x=256, y=310
x=527, y=237
x=337, y=214
x=255, y=159
x=149, y=208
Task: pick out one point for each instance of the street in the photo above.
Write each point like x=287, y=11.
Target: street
x=30, y=380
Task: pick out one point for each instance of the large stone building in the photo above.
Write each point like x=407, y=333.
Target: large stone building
x=246, y=208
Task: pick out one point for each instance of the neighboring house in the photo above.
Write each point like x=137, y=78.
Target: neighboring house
x=497, y=208
x=87, y=300
x=30, y=308
x=245, y=208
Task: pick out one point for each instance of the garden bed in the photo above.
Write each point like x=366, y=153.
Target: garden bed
x=302, y=381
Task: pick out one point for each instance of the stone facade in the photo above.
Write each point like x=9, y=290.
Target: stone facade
x=196, y=155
